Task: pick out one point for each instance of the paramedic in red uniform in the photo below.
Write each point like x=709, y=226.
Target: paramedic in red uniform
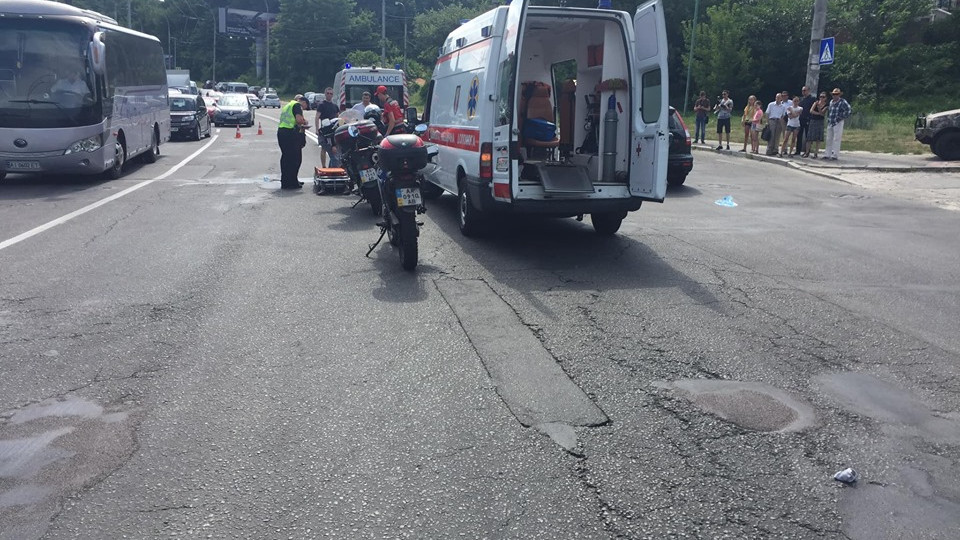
x=392, y=113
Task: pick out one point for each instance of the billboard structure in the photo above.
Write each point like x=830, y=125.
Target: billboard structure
x=244, y=23
x=247, y=24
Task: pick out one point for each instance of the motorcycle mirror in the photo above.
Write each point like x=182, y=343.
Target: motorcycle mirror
x=420, y=129
x=353, y=131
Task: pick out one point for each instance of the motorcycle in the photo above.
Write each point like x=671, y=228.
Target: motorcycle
x=401, y=158
x=357, y=143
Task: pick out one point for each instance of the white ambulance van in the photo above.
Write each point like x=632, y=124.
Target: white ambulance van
x=350, y=83
x=551, y=110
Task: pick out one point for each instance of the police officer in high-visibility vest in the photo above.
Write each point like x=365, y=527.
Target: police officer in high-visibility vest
x=292, y=139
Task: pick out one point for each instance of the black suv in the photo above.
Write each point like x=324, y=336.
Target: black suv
x=679, y=160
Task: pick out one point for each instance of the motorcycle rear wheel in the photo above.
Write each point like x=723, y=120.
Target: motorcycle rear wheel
x=408, y=241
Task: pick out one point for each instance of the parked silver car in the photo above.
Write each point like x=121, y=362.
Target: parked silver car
x=271, y=100
x=234, y=109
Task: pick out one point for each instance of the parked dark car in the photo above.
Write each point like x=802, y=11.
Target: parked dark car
x=234, y=109
x=679, y=159
x=942, y=132
x=188, y=117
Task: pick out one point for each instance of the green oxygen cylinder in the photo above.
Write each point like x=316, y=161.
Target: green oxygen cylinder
x=610, y=121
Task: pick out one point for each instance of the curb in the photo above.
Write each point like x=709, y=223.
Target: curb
x=823, y=171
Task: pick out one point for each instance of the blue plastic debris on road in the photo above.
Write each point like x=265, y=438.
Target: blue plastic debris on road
x=726, y=201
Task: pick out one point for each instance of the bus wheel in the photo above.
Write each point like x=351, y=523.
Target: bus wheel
x=150, y=156
x=119, y=158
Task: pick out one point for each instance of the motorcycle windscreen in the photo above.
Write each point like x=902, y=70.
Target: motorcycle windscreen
x=506, y=163
x=648, y=165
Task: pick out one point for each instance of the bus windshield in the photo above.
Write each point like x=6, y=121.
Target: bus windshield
x=45, y=80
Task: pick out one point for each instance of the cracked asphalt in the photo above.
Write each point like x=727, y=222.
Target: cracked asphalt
x=209, y=357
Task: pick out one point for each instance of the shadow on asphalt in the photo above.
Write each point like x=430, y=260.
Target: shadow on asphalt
x=351, y=219
x=53, y=187
x=531, y=254
x=684, y=191
x=396, y=284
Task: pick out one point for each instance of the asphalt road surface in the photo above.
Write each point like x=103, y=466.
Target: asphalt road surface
x=190, y=352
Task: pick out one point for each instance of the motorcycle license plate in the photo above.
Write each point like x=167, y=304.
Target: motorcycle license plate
x=368, y=175
x=408, y=196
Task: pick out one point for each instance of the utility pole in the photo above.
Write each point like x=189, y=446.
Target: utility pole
x=383, y=33
x=816, y=34
x=404, y=33
x=267, y=5
x=693, y=40
x=268, y=53
x=129, y=19
x=214, y=79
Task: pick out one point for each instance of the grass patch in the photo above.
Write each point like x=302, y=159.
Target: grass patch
x=868, y=130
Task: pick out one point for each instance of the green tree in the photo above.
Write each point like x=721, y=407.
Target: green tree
x=311, y=41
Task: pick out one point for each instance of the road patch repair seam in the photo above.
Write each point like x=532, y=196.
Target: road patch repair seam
x=527, y=377
x=63, y=219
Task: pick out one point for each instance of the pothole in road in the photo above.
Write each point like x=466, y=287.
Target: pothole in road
x=52, y=449
x=754, y=406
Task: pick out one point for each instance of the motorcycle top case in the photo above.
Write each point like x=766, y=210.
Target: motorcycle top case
x=368, y=131
x=403, y=153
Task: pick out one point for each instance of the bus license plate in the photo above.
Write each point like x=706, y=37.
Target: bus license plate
x=408, y=196
x=22, y=165
x=368, y=175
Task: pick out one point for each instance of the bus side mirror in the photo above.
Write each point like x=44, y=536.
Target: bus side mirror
x=96, y=53
x=412, y=115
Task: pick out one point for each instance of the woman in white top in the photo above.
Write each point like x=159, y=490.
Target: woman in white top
x=793, y=126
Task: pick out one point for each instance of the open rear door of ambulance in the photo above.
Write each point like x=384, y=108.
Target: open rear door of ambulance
x=506, y=152
x=648, y=164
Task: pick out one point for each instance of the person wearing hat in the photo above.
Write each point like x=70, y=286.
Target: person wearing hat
x=392, y=114
x=837, y=111
x=292, y=139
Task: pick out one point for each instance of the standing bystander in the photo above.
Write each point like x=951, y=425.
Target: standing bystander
x=776, y=111
x=838, y=111
x=747, y=120
x=702, y=108
x=724, y=110
x=757, y=126
x=793, y=126
x=815, y=129
x=326, y=110
x=806, y=101
x=364, y=102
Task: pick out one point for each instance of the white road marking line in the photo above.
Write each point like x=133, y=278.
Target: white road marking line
x=310, y=134
x=63, y=219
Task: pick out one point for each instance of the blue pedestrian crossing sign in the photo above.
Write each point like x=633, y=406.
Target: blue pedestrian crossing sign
x=826, y=51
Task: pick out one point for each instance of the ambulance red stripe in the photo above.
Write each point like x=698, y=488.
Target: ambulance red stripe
x=455, y=137
x=473, y=47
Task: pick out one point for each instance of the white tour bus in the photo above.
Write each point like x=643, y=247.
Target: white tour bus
x=349, y=85
x=551, y=110
x=78, y=93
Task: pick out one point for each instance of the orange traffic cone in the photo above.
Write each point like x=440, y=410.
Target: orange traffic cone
x=259, y=128
x=238, y=136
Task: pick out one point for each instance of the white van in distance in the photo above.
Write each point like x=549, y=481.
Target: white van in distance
x=551, y=110
x=350, y=83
